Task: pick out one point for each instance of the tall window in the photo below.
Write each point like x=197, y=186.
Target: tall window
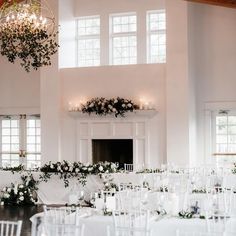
x=156, y=36
x=225, y=134
x=20, y=141
x=123, y=39
x=88, y=42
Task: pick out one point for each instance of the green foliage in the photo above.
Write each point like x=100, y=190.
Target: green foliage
x=101, y=106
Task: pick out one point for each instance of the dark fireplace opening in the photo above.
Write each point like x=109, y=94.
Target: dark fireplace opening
x=113, y=150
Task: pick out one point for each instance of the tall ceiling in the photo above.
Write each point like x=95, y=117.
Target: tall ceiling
x=223, y=3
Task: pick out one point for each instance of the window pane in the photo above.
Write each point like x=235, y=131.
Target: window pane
x=124, y=24
x=156, y=36
x=221, y=120
x=221, y=129
x=221, y=139
x=88, y=41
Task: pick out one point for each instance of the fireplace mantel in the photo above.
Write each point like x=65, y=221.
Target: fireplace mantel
x=130, y=115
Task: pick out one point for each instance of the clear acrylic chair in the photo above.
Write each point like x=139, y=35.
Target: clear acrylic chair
x=129, y=167
x=130, y=223
x=62, y=221
x=10, y=228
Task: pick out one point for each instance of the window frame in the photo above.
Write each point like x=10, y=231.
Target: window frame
x=22, y=128
x=113, y=35
x=86, y=37
x=150, y=32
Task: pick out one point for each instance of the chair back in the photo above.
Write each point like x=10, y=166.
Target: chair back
x=10, y=228
x=129, y=223
x=129, y=167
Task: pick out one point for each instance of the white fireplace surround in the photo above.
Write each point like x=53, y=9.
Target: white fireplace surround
x=134, y=126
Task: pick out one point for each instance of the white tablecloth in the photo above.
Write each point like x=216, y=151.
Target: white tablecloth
x=54, y=191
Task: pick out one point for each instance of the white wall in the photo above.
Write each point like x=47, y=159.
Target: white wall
x=132, y=82
x=19, y=90
x=215, y=60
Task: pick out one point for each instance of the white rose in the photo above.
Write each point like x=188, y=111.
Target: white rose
x=113, y=166
x=91, y=105
x=51, y=166
x=66, y=168
x=6, y=195
x=21, y=186
x=4, y=189
x=84, y=168
x=76, y=170
x=116, y=101
x=21, y=193
x=71, y=169
x=90, y=169
x=106, y=184
x=21, y=198
x=123, y=105
x=114, y=110
x=100, y=168
x=107, y=171
x=9, y=190
x=129, y=105
x=2, y=203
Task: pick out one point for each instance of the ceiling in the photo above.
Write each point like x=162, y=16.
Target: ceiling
x=224, y=3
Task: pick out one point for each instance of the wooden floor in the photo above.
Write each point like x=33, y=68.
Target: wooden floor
x=20, y=213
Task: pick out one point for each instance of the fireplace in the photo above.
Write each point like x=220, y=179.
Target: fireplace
x=112, y=150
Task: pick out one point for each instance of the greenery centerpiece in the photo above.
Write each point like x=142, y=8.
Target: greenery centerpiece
x=102, y=106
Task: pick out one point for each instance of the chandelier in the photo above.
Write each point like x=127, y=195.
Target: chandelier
x=27, y=33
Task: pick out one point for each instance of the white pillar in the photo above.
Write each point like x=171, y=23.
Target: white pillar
x=179, y=94
x=50, y=102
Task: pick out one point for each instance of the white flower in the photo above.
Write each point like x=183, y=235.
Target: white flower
x=4, y=189
x=21, y=193
x=76, y=170
x=114, y=110
x=129, y=105
x=115, y=101
x=58, y=168
x=21, y=186
x=123, y=105
x=87, y=164
x=21, y=198
x=51, y=166
x=113, y=166
x=110, y=106
x=91, y=105
x=90, y=169
x=100, y=168
x=107, y=171
x=6, y=195
x=66, y=168
x=15, y=189
x=2, y=203
x=71, y=169
x=106, y=184
x=84, y=168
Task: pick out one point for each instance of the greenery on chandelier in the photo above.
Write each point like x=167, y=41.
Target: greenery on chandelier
x=102, y=106
x=25, y=36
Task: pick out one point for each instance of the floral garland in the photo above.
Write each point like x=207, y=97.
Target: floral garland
x=101, y=106
x=234, y=169
x=68, y=170
x=21, y=194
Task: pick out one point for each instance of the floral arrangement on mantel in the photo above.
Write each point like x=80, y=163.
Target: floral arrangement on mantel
x=102, y=106
x=21, y=194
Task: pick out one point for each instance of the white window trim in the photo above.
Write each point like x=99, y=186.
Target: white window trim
x=151, y=32
x=210, y=111
x=122, y=34
x=22, y=137
x=91, y=36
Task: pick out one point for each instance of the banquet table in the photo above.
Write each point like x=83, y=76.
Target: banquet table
x=97, y=224
x=54, y=191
